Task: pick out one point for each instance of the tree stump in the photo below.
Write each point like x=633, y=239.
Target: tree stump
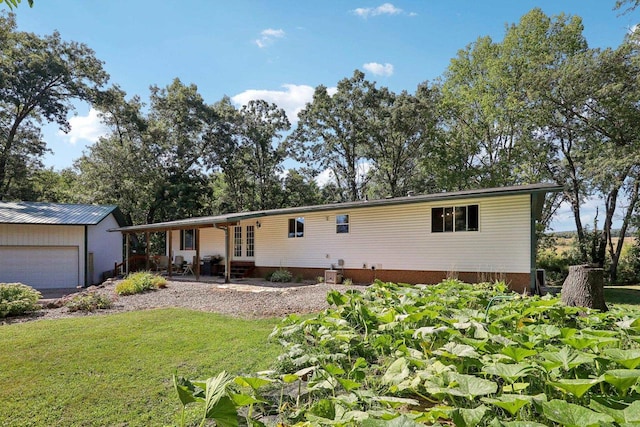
x=584, y=287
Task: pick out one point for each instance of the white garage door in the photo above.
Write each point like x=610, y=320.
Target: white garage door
x=40, y=267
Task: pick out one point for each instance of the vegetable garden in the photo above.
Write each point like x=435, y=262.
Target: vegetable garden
x=447, y=354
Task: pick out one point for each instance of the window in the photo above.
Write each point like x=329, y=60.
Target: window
x=250, y=240
x=296, y=227
x=237, y=241
x=454, y=218
x=187, y=240
x=342, y=224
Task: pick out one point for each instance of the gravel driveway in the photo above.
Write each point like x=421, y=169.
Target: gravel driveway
x=250, y=298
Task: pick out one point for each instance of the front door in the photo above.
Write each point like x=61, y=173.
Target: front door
x=244, y=242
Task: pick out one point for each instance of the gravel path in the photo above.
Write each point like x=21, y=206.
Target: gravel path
x=250, y=299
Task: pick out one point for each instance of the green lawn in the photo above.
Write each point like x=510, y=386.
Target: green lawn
x=116, y=370
x=628, y=296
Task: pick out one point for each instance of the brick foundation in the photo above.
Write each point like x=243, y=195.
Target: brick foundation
x=517, y=281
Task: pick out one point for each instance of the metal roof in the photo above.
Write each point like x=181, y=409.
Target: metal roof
x=55, y=213
x=210, y=221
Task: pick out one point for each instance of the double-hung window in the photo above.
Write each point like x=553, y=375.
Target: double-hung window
x=454, y=219
x=342, y=223
x=296, y=227
x=187, y=240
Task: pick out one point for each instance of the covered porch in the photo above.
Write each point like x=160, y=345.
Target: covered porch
x=187, y=255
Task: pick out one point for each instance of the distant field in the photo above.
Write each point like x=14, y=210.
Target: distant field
x=563, y=244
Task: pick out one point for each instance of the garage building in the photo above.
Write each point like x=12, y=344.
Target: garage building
x=52, y=245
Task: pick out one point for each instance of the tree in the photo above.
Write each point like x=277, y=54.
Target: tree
x=15, y=3
x=406, y=130
x=263, y=151
x=39, y=79
x=152, y=166
x=334, y=132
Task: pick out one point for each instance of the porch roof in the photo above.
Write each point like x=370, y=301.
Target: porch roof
x=232, y=218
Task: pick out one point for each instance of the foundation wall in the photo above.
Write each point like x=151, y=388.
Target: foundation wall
x=518, y=282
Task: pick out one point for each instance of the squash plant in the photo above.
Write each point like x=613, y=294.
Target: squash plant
x=447, y=354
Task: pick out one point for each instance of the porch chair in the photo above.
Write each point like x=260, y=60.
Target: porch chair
x=188, y=268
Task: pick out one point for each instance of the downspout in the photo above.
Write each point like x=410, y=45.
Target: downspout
x=86, y=256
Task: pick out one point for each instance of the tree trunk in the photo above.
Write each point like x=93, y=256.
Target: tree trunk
x=584, y=287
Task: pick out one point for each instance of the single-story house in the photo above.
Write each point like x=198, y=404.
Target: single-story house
x=53, y=245
x=474, y=235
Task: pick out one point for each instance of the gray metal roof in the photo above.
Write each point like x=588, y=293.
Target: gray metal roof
x=210, y=221
x=55, y=213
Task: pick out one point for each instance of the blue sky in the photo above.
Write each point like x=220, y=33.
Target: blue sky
x=281, y=50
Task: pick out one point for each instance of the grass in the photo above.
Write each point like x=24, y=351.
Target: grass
x=116, y=370
x=623, y=296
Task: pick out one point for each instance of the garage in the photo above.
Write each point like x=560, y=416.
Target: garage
x=40, y=267
x=55, y=245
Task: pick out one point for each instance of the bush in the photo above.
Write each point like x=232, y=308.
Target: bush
x=89, y=302
x=629, y=266
x=142, y=281
x=347, y=282
x=17, y=299
x=281, y=275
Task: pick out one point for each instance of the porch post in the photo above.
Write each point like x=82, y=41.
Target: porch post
x=170, y=266
x=227, y=259
x=127, y=251
x=146, y=250
x=196, y=236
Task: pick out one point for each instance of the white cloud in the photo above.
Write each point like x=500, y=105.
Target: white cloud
x=325, y=177
x=88, y=128
x=379, y=69
x=293, y=99
x=268, y=36
x=383, y=9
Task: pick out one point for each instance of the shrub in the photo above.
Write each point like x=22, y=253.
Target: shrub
x=320, y=279
x=347, y=282
x=139, y=282
x=17, y=299
x=281, y=275
x=89, y=302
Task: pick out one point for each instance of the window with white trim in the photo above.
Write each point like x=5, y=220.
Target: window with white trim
x=188, y=240
x=296, y=227
x=250, y=240
x=454, y=219
x=342, y=223
x=237, y=241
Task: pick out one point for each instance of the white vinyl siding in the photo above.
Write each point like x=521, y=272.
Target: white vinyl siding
x=399, y=237
x=106, y=247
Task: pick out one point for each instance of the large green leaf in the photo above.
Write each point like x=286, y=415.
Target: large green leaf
x=571, y=415
x=470, y=386
x=463, y=417
x=187, y=392
x=454, y=350
x=224, y=413
x=517, y=353
x=630, y=359
x=509, y=371
x=577, y=387
x=630, y=414
x=401, y=421
x=214, y=391
x=348, y=384
x=566, y=358
x=397, y=372
x=509, y=402
x=253, y=382
x=622, y=379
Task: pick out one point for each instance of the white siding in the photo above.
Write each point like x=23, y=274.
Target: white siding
x=211, y=243
x=400, y=237
x=106, y=247
x=34, y=240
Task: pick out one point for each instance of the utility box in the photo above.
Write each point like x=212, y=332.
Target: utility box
x=332, y=277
